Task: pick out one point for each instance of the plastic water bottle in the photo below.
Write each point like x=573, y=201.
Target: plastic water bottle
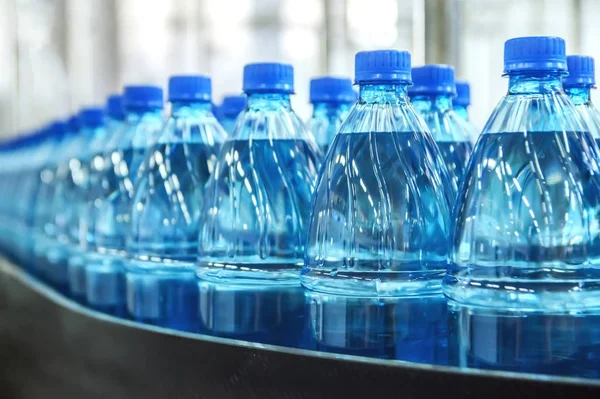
x=35, y=152
x=331, y=99
x=104, y=140
x=523, y=281
x=104, y=274
x=461, y=103
x=229, y=110
x=163, y=243
x=254, y=222
x=43, y=232
x=462, y=100
x=11, y=169
x=114, y=115
x=69, y=195
x=578, y=84
x=378, y=239
x=432, y=93
x=14, y=158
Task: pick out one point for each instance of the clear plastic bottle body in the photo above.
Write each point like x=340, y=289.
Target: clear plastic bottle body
x=163, y=239
x=523, y=281
x=8, y=172
x=39, y=153
x=462, y=112
x=450, y=132
x=21, y=159
x=90, y=192
x=68, y=199
x=104, y=274
x=228, y=123
x=581, y=97
x=44, y=228
x=378, y=239
x=326, y=120
x=253, y=227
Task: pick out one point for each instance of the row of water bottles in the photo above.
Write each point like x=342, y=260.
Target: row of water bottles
x=388, y=236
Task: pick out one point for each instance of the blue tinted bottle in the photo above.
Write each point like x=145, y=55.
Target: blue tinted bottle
x=44, y=231
x=256, y=210
x=104, y=273
x=42, y=146
x=163, y=241
x=101, y=125
x=461, y=103
x=229, y=110
x=20, y=161
x=68, y=196
x=523, y=282
x=431, y=94
x=331, y=99
x=378, y=239
x=578, y=85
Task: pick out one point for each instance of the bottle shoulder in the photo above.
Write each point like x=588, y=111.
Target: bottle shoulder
x=551, y=111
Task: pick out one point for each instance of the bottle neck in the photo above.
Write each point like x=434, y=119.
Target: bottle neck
x=326, y=109
x=383, y=93
x=535, y=83
x=268, y=100
x=137, y=113
x=580, y=95
x=187, y=108
x=439, y=102
x=461, y=111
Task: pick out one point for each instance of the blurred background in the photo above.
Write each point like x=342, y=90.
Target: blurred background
x=58, y=55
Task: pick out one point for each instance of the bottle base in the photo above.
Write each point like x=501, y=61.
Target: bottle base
x=105, y=284
x=524, y=341
x=76, y=275
x=269, y=314
x=408, y=328
x=163, y=297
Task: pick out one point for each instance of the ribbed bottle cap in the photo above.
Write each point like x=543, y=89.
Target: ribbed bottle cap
x=91, y=117
x=581, y=71
x=190, y=88
x=463, y=94
x=74, y=124
x=268, y=77
x=433, y=79
x=143, y=97
x=331, y=89
x=535, y=53
x=114, y=107
x=382, y=66
x=232, y=106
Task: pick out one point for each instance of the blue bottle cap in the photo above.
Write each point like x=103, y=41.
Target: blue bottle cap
x=74, y=124
x=433, y=80
x=581, y=71
x=58, y=128
x=268, y=77
x=232, y=106
x=463, y=94
x=143, y=97
x=535, y=53
x=91, y=117
x=114, y=107
x=331, y=89
x=382, y=66
x=190, y=88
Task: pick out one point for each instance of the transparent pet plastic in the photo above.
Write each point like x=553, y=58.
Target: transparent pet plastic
x=253, y=230
x=378, y=239
x=165, y=218
x=523, y=286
